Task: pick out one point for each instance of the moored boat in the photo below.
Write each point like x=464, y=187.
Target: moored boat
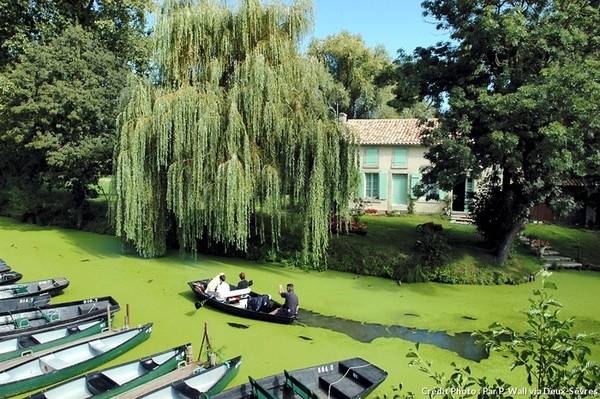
x=191, y=381
x=44, y=318
x=34, y=343
x=243, y=303
x=28, y=302
x=10, y=277
x=51, y=286
x=347, y=379
x=109, y=382
x=43, y=370
x=4, y=267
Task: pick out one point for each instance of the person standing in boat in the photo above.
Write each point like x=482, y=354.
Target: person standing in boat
x=291, y=305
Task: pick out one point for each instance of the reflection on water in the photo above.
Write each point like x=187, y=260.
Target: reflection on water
x=462, y=343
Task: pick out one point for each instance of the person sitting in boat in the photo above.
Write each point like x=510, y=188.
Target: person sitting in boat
x=243, y=282
x=212, y=285
x=291, y=305
x=222, y=289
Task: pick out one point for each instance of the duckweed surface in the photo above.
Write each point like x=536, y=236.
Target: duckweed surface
x=155, y=290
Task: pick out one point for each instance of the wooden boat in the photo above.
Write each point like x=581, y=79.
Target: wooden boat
x=4, y=267
x=28, y=302
x=34, y=343
x=51, y=286
x=10, y=277
x=44, y=318
x=70, y=361
x=347, y=379
x=191, y=381
x=109, y=382
x=240, y=303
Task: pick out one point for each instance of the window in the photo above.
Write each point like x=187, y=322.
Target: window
x=400, y=158
x=371, y=157
x=372, y=185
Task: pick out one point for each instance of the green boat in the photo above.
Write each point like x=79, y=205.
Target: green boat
x=112, y=381
x=57, y=366
x=189, y=382
x=29, y=344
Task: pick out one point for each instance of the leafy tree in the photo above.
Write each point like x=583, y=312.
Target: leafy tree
x=59, y=117
x=356, y=67
x=118, y=25
x=234, y=130
x=519, y=93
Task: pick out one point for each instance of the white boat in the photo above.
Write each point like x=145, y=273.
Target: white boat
x=108, y=382
x=43, y=370
x=29, y=344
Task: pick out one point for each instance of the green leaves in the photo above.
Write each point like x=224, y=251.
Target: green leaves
x=234, y=131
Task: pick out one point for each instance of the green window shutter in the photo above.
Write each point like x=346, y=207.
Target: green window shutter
x=400, y=158
x=371, y=157
x=360, y=190
x=383, y=185
x=415, y=178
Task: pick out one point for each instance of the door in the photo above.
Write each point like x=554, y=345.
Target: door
x=399, y=189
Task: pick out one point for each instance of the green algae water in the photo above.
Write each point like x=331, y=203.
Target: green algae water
x=155, y=290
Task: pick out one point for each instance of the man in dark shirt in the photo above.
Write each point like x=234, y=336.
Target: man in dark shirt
x=243, y=282
x=290, y=307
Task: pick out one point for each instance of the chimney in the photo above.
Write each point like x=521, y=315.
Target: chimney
x=342, y=117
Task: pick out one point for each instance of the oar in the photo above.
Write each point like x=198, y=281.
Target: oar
x=199, y=304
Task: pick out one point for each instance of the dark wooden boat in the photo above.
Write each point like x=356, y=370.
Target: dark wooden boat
x=28, y=302
x=10, y=277
x=243, y=303
x=64, y=363
x=51, y=286
x=44, y=318
x=4, y=267
x=112, y=381
x=190, y=381
x=347, y=379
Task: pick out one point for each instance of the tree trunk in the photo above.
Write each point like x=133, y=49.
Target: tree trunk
x=506, y=242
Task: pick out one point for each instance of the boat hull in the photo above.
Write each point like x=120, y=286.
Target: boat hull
x=210, y=380
x=27, y=345
x=68, y=362
x=236, y=309
x=112, y=381
x=347, y=379
x=45, y=318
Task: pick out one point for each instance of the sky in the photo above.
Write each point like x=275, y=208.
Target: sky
x=396, y=24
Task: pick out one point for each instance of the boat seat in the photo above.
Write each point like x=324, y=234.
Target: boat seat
x=240, y=293
x=298, y=387
x=21, y=289
x=26, y=341
x=258, y=391
x=340, y=387
x=50, y=363
x=51, y=316
x=98, y=383
x=45, y=287
x=186, y=390
x=149, y=364
x=21, y=322
x=99, y=346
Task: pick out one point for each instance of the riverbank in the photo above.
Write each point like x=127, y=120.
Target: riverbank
x=156, y=291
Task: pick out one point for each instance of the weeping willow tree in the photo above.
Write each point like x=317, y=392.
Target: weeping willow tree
x=233, y=135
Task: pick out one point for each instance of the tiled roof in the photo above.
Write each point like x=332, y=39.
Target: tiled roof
x=387, y=131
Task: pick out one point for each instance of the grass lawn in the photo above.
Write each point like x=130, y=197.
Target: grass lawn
x=580, y=244
x=388, y=250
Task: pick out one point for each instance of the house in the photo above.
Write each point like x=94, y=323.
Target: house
x=391, y=156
